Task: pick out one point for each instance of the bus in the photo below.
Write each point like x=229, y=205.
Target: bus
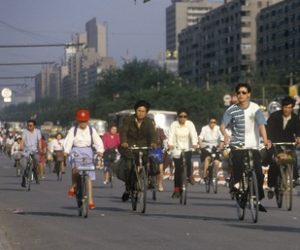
x=162, y=118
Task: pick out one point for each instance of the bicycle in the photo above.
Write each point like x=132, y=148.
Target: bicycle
x=83, y=165
x=246, y=195
x=58, y=161
x=17, y=157
x=212, y=176
x=285, y=159
x=30, y=172
x=139, y=180
x=109, y=157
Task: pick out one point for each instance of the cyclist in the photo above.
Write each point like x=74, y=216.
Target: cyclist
x=111, y=141
x=247, y=124
x=16, y=149
x=81, y=140
x=56, y=149
x=182, y=136
x=282, y=126
x=210, y=136
x=42, y=158
x=138, y=130
x=31, y=143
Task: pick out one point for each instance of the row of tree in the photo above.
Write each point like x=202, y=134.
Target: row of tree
x=119, y=89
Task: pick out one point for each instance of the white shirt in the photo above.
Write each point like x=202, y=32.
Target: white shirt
x=56, y=145
x=210, y=136
x=15, y=148
x=183, y=136
x=82, y=139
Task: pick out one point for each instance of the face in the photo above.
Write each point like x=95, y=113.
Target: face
x=30, y=126
x=243, y=95
x=58, y=137
x=287, y=110
x=113, y=130
x=141, y=113
x=182, y=117
x=212, y=123
x=83, y=125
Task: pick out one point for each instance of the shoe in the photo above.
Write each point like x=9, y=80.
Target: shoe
x=160, y=188
x=105, y=182
x=125, y=196
x=270, y=193
x=191, y=180
x=71, y=192
x=261, y=208
x=176, y=194
x=92, y=206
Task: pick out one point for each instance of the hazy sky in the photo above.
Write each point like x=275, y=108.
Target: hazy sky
x=138, y=28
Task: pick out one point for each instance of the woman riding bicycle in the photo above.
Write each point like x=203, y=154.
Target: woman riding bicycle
x=138, y=130
x=182, y=136
x=57, y=150
x=81, y=140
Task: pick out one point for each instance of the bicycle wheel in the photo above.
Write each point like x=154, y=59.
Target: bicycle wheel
x=142, y=189
x=79, y=195
x=29, y=176
x=153, y=185
x=241, y=198
x=208, y=179
x=288, y=191
x=18, y=168
x=183, y=190
x=214, y=180
x=85, y=197
x=58, y=170
x=253, y=196
x=279, y=191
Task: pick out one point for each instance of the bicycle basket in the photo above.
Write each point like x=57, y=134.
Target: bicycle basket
x=110, y=155
x=285, y=158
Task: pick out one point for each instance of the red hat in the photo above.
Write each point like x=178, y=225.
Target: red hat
x=82, y=115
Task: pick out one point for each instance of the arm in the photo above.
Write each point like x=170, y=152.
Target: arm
x=68, y=142
x=194, y=136
x=98, y=143
x=123, y=133
x=171, y=136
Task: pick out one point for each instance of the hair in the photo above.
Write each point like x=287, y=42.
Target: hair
x=32, y=121
x=59, y=134
x=243, y=85
x=182, y=110
x=287, y=101
x=212, y=116
x=142, y=103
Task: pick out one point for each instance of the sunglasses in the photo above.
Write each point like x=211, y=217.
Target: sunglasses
x=182, y=116
x=30, y=125
x=242, y=92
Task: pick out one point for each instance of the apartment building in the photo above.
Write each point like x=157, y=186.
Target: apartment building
x=182, y=14
x=278, y=40
x=221, y=47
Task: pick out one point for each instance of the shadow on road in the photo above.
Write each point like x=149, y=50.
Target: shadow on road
x=268, y=228
x=51, y=214
x=12, y=189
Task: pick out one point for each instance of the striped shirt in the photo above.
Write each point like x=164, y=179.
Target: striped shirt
x=244, y=124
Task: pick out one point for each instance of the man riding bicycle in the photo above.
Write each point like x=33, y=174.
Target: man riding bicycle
x=210, y=136
x=138, y=130
x=282, y=126
x=31, y=143
x=247, y=124
x=81, y=140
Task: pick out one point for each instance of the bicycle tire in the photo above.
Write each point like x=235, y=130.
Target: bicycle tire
x=153, y=188
x=85, y=196
x=240, y=196
x=134, y=198
x=289, y=187
x=58, y=171
x=207, y=182
x=29, y=176
x=214, y=182
x=279, y=191
x=183, y=189
x=253, y=196
x=142, y=190
x=18, y=168
x=79, y=195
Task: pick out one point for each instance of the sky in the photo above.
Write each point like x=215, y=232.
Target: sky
x=134, y=27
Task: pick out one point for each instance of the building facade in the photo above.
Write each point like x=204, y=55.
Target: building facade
x=278, y=40
x=221, y=47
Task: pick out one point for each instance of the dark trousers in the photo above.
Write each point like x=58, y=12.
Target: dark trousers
x=179, y=169
x=237, y=158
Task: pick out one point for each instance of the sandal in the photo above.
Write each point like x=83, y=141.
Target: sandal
x=71, y=192
x=92, y=206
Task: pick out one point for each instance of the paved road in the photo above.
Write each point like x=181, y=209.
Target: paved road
x=46, y=218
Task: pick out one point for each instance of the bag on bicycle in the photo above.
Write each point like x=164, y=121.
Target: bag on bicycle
x=110, y=155
x=119, y=168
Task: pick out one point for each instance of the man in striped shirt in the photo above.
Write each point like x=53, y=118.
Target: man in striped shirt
x=247, y=124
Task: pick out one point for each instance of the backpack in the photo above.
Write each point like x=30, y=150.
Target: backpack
x=91, y=133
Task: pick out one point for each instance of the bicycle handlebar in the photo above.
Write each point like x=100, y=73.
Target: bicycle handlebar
x=284, y=143
x=139, y=148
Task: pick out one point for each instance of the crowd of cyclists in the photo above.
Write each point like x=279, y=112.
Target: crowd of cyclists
x=243, y=125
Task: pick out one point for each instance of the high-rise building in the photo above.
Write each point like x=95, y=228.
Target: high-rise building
x=221, y=47
x=278, y=41
x=180, y=15
x=97, y=37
